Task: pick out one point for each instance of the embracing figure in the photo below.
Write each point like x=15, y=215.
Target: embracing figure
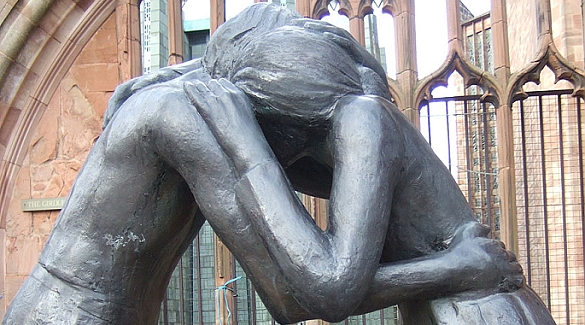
x=279, y=103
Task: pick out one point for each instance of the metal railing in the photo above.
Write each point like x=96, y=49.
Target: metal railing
x=548, y=132
x=462, y=132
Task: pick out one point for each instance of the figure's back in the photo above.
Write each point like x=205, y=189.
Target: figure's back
x=102, y=263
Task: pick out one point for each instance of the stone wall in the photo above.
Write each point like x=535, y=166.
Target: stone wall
x=567, y=28
x=60, y=144
x=522, y=33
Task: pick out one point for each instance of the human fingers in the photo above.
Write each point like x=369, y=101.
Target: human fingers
x=218, y=106
x=300, y=22
x=159, y=76
x=470, y=231
x=496, y=247
x=228, y=85
x=198, y=93
x=325, y=27
x=215, y=87
x=232, y=99
x=198, y=74
x=516, y=267
x=511, y=283
x=480, y=230
x=338, y=35
x=121, y=94
x=238, y=96
x=345, y=43
x=210, y=106
x=145, y=81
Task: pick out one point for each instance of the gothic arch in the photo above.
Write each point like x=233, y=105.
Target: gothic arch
x=471, y=76
x=548, y=56
x=367, y=7
x=320, y=9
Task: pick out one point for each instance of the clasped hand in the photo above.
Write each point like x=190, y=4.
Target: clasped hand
x=483, y=262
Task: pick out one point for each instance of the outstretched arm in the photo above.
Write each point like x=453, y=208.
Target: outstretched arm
x=471, y=263
x=345, y=257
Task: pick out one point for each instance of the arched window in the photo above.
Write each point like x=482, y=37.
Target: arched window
x=335, y=17
x=380, y=38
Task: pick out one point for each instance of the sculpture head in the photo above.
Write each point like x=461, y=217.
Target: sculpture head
x=235, y=34
x=291, y=67
x=297, y=73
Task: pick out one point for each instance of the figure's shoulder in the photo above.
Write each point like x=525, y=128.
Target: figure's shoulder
x=374, y=107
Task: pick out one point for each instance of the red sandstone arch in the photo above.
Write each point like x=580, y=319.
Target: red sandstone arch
x=39, y=42
x=56, y=32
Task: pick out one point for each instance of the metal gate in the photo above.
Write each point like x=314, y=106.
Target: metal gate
x=548, y=132
x=549, y=172
x=462, y=132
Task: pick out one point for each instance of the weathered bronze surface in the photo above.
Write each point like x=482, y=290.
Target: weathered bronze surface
x=278, y=103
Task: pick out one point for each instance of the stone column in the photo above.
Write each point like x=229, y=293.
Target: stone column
x=217, y=16
x=454, y=31
x=128, y=30
x=506, y=175
x=304, y=7
x=224, y=271
x=356, y=28
x=406, y=66
x=175, y=23
x=2, y=272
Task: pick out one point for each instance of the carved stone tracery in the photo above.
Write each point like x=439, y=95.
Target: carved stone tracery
x=472, y=76
x=548, y=56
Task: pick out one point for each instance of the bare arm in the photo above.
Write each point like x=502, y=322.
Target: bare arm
x=472, y=263
x=332, y=272
x=346, y=256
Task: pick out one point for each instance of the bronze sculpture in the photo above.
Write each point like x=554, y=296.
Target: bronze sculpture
x=278, y=102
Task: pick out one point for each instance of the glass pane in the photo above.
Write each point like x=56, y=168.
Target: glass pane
x=145, y=19
x=190, y=297
x=196, y=9
x=196, y=15
x=476, y=7
x=489, y=55
x=479, y=49
x=380, y=39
